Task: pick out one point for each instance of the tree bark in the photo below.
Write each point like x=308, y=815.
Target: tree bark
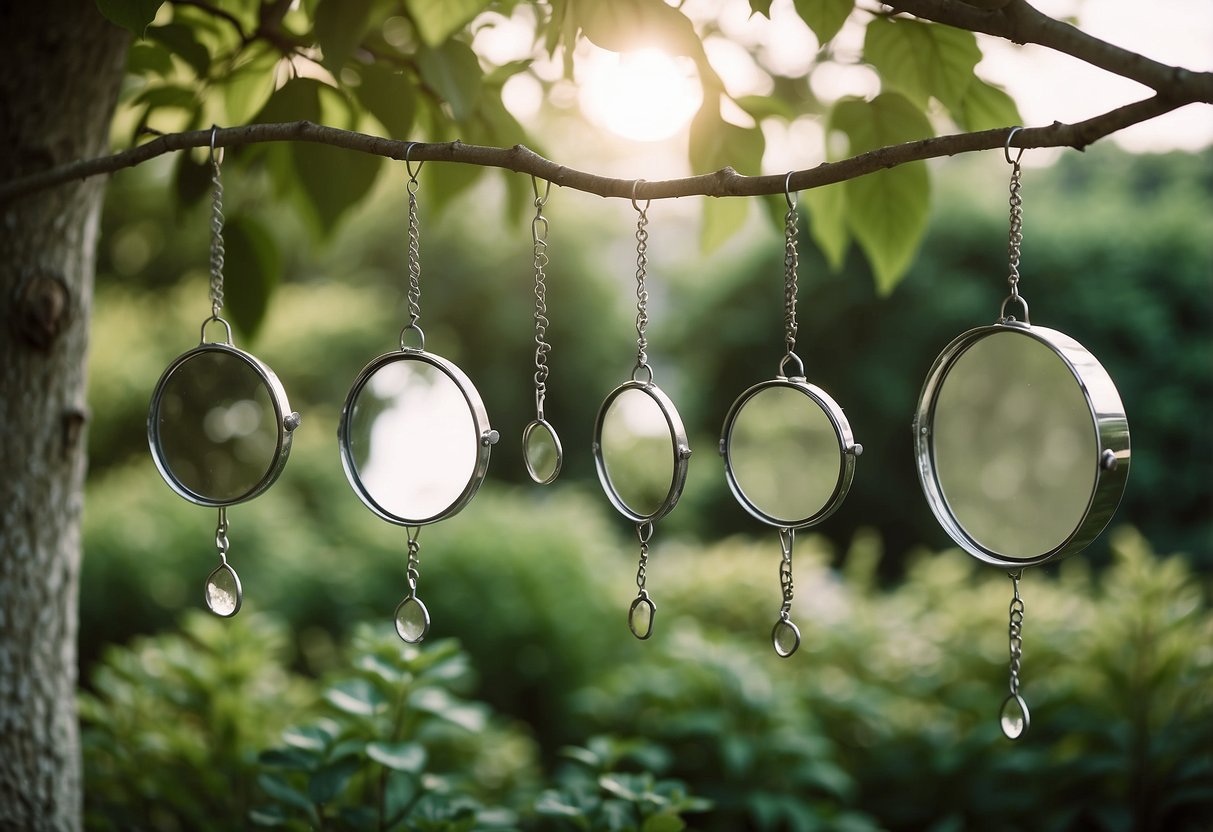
x=62, y=66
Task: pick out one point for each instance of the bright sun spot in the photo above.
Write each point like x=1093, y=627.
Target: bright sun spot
x=644, y=95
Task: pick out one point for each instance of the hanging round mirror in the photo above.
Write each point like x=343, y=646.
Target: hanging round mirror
x=414, y=438
x=1022, y=446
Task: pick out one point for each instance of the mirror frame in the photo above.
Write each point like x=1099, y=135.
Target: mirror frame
x=486, y=437
x=679, y=448
x=848, y=450
x=286, y=420
x=1111, y=462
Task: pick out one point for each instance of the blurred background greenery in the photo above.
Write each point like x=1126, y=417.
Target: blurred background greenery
x=541, y=710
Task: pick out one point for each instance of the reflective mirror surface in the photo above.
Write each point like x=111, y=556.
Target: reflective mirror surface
x=411, y=440
x=785, y=454
x=1014, y=445
x=638, y=448
x=215, y=430
x=541, y=452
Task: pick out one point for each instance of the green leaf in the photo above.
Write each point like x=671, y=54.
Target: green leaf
x=762, y=7
x=627, y=25
x=921, y=59
x=307, y=738
x=398, y=756
x=329, y=781
x=149, y=58
x=722, y=218
x=182, y=42
x=355, y=696
x=389, y=96
x=253, y=269
x=268, y=816
x=283, y=792
x=986, y=107
x=453, y=72
x=767, y=106
x=247, y=89
x=663, y=823
x=886, y=211
x=334, y=180
x=132, y=15
x=828, y=222
x=824, y=17
x=715, y=143
x=440, y=703
x=167, y=97
x=291, y=759
x=339, y=26
x=437, y=21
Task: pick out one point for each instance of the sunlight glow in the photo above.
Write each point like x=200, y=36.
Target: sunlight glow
x=646, y=95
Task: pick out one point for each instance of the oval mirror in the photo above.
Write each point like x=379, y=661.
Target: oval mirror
x=414, y=438
x=1023, y=445
x=789, y=453
x=640, y=451
x=219, y=426
x=541, y=451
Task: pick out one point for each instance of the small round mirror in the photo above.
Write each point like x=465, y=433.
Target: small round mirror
x=789, y=454
x=219, y=426
x=414, y=438
x=1022, y=442
x=641, y=451
x=541, y=451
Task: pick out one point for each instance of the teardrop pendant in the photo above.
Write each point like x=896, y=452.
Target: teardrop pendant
x=223, y=592
x=1014, y=718
x=412, y=619
x=641, y=615
x=785, y=636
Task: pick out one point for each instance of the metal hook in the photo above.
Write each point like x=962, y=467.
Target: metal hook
x=540, y=201
x=787, y=191
x=215, y=160
x=1006, y=148
x=408, y=165
x=647, y=202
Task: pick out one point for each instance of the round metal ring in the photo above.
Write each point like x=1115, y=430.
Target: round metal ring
x=537, y=476
x=1108, y=441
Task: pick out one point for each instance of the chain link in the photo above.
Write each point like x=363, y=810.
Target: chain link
x=642, y=293
x=644, y=531
x=414, y=255
x=413, y=567
x=1015, y=239
x=539, y=234
x=1015, y=631
x=791, y=261
x=217, y=251
x=221, y=542
x=786, y=540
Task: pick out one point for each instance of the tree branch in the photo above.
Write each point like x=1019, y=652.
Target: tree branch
x=724, y=182
x=1019, y=22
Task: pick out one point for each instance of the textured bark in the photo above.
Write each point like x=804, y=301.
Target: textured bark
x=60, y=71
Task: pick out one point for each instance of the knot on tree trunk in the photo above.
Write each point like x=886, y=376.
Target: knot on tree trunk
x=43, y=309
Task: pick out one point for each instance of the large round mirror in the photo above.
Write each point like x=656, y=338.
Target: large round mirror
x=789, y=454
x=641, y=451
x=1023, y=445
x=414, y=438
x=219, y=426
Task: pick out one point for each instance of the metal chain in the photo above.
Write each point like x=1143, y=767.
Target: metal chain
x=221, y=542
x=413, y=568
x=1015, y=631
x=791, y=262
x=1015, y=239
x=217, y=252
x=414, y=255
x=644, y=531
x=539, y=235
x=642, y=294
x=786, y=539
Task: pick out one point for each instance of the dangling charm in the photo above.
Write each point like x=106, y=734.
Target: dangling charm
x=412, y=617
x=1013, y=716
x=1022, y=444
x=219, y=426
x=785, y=635
x=789, y=454
x=541, y=450
x=640, y=446
x=223, y=593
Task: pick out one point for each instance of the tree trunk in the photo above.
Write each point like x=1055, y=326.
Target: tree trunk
x=60, y=70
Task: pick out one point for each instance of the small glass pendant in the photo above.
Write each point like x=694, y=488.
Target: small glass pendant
x=641, y=615
x=223, y=593
x=1014, y=717
x=785, y=636
x=412, y=619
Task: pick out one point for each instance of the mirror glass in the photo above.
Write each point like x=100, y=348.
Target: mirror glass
x=411, y=438
x=542, y=452
x=217, y=427
x=785, y=454
x=1015, y=445
x=638, y=451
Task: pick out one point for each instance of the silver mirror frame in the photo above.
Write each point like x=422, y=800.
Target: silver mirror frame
x=680, y=449
x=486, y=437
x=1111, y=462
x=286, y=420
x=848, y=450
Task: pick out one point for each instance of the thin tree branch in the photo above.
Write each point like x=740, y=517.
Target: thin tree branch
x=1019, y=22
x=724, y=182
